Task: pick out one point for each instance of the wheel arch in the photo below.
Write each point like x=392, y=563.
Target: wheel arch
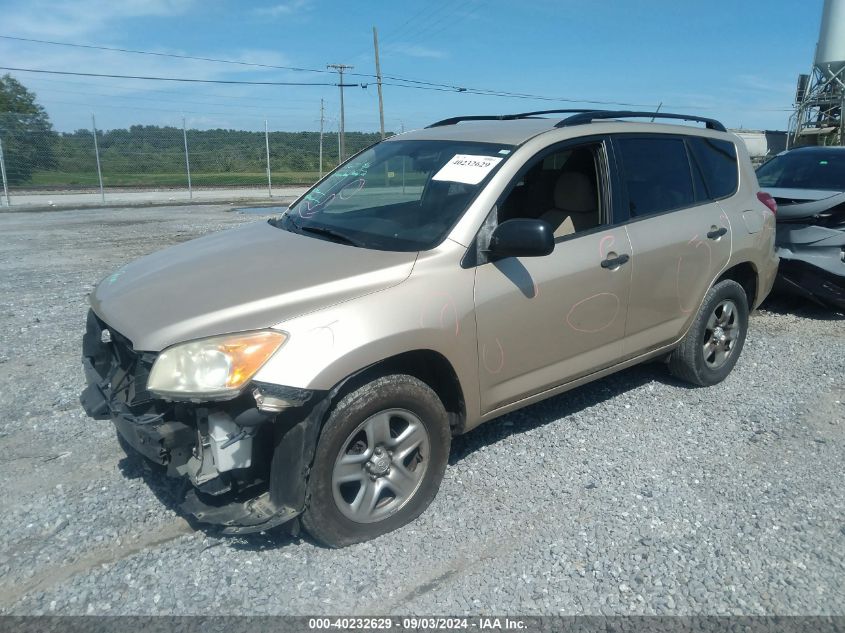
x=747, y=276
x=427, y=365
x=297, y=439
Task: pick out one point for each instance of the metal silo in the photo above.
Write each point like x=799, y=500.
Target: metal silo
x=830, y=51
x=818, y=116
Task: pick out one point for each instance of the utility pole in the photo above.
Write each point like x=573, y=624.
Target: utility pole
x=378, y=81
x=341, y=68
x=322, y=119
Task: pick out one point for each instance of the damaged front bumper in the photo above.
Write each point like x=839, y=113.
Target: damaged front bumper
x=247, y=459
x=812, y=262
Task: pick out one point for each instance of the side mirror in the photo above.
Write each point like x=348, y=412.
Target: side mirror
x=522, y=237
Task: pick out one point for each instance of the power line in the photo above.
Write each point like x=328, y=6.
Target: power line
x=512, y=95
x=405, y=82
x=414, y=19
x=158, y=54
x=415, y=24
x=135, y=98
x=433, y=28
x=179, y=79
x=418, y=85
x=135, y=89
x=417, y=82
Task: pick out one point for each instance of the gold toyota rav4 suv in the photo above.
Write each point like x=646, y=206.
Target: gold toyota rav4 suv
x=311, y=370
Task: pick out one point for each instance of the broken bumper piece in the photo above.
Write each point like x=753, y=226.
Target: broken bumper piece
x=812, y=282
x=812, y=262
x=246, y=460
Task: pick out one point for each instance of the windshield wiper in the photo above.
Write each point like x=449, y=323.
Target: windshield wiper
x=330, y=233
x=287, y=218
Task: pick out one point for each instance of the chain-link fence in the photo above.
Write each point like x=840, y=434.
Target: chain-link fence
x=174, y=157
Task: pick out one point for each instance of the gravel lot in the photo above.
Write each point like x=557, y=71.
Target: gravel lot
x=631, y=495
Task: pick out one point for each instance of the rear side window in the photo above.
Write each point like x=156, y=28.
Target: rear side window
x=716, y=161
x=656, y=173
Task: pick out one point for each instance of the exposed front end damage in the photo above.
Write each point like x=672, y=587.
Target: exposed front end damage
x=811, y=245
x=246, y=459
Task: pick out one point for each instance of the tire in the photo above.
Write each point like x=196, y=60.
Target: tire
x=701, y=366
x=379, y=461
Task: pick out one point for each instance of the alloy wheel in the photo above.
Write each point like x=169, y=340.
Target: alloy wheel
x=720, y=334
x=380, y=466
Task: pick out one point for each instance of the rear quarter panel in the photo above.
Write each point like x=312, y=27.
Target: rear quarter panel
x=753, y=227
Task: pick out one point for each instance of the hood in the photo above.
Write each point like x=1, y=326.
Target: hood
x=800, y=195
x=794, y=204
x=246, y=278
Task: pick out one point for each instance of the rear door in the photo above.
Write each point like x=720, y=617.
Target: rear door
x=680, y=237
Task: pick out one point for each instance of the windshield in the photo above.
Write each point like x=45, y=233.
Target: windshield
x=804, y=170
x=397, y=195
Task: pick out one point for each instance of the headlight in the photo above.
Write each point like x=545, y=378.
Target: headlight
x=212, y=368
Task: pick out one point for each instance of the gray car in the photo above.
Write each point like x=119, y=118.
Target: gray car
x=312, y=370
x=808, y=184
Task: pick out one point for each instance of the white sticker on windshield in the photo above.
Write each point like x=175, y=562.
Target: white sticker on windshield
x=467, y=169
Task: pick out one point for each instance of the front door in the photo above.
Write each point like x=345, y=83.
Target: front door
x=543, y=321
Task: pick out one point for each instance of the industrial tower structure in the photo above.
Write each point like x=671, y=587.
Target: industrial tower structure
x=820, y=96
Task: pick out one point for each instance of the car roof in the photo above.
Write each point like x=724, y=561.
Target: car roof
x=514, y=132
x=516, y=129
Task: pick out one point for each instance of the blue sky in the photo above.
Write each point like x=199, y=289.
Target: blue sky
x=736, y=61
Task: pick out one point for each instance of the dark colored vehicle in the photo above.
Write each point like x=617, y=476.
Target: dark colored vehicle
x=808, y=185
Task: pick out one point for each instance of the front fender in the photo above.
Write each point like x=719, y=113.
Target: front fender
x=422, y=313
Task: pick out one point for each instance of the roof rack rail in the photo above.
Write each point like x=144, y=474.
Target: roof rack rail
x=506, y=117
x=590, y=116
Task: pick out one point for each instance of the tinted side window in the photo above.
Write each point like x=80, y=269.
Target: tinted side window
x=717, y=161
x=562, y=187
x=701, y=192
x=656, y=173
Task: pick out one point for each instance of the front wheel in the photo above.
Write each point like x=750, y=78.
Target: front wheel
x=712, y=346
x=379, y=461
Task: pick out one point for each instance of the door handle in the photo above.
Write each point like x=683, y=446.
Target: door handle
x=715, y=234
x=615, y=262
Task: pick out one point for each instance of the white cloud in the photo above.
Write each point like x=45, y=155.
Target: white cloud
x=283, y=8
x=415, y=50
x=71, y=99
x=121, y=102
x=62, y=19
x=35, y=56
x=762, y=83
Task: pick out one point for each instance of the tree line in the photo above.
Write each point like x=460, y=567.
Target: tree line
x=31, y=145
x=160, y=149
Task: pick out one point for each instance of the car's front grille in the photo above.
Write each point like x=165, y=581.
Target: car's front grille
x=124, y=370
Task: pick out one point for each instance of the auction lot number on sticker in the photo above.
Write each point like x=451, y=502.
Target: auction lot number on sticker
x=467, y=168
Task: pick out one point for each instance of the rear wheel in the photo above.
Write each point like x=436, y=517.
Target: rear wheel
x=714, y=342
x=379, y=461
